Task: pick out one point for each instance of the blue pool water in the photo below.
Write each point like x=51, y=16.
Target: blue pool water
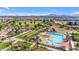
x=57, y=39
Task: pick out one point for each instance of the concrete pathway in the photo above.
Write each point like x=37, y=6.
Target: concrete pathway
x=33, y=44
x=50, y=48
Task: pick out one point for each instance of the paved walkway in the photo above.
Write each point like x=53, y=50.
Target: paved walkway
x=50, y=48
x=17, y=39
x=23, y=33
x=73, y=45
x=33, y=44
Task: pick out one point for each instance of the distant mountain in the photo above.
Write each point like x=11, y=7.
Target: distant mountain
x=52, y=15
x=55, y=15
x=49, y=16
x=77, y=15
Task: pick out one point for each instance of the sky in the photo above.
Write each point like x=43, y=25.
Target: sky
x=25, y=11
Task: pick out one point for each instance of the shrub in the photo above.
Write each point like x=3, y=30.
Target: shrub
x=76, y=36
x=77, y=44
x=61, y=26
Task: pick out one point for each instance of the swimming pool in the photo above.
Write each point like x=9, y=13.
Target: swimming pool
x=58, y=38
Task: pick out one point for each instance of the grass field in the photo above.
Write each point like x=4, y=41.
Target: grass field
x=44, y=36
x=30, y=23
x=27, y=35
x=4, y=45
x=74, y=26
x=24, y=46
x=39, y=48
x=76, y=35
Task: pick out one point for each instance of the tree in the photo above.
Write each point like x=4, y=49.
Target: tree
x=77, y=44
x=1, y=25
x=35, y=26
x=31, y=21
x=13, y=21
x=34, y=21
x=44, y=21
x=20, y=24
x=62, y=26
x=26, y=24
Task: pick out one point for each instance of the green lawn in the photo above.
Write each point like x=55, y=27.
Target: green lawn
x=28, y=34
x=24, y=46
x=23, y=43
x=29, y=23
x=74, y=26
x=39, y=48
x=76, y=35
x=4, y=45
x=45, y=36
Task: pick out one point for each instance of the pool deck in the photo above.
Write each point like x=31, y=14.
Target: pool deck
x=61, y=31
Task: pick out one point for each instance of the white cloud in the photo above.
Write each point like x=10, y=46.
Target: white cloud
x=9, y=13
x=75, y=13
x=6, y=12
x=21, y=14
x=6, y=7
